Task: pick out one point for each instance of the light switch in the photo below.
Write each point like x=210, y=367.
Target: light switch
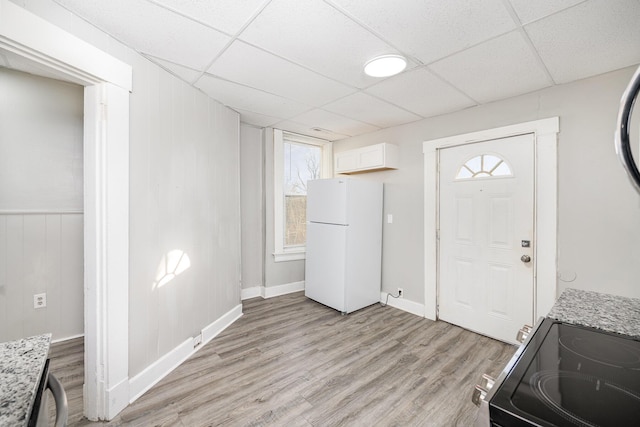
x=389, y=219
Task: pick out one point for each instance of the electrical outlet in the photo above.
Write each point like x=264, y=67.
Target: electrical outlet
x=197, y=340
x=40, y=300
x=400, y=292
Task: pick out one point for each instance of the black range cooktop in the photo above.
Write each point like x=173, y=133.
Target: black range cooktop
x=571, y=376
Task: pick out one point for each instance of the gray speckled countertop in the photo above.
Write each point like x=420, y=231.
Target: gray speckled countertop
x=610, y=313
x=21, y=365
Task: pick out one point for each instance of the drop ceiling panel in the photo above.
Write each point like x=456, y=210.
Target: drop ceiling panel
x=152, y=29
x=422, y=93
x=496, y=69
x=322, y=119
x=366, y=108
x=432, y=29
x=187, y=74
x=225, y=15
x=308, y=130
x=249, y=99
x=314, y=34
x=528, y=10
x=591, y=38
x=241, y=61
x=257, y=119
x=300, y=62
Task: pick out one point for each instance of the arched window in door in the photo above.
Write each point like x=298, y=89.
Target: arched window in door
x=484, y=166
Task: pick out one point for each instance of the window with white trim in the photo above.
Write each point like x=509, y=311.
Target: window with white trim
x=297, y=159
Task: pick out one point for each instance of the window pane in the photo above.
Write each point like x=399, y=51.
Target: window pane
x=483, y=166
x=502, y=170
x=475, y=164
x=295, y=213
x=464, y=173
x=301, y=163
x=489, y=162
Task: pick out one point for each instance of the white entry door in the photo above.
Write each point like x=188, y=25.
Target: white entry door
x=486, y=216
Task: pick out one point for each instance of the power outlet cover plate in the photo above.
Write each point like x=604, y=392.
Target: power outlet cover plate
x=40, y=300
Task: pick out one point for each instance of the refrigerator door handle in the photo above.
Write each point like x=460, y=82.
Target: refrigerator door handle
x=623, y=147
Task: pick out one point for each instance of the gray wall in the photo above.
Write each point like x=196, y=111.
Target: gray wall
x=252, y=205
x=599, y=213
x=41, y=221
x=258, y=245
x=41, y=143
x=184, y=196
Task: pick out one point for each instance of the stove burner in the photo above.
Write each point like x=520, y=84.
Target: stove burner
x=604, y=350
x=550, y=387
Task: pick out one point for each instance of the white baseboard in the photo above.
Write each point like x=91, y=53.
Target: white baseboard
x=117, y=398
x=271, y=291
x=72, y=337
x=212, y=330
x=149, y=377
x=403, y=304
x=253, y=292
x=288, y=288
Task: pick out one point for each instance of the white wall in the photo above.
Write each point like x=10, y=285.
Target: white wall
x=252, y=205
x=184, y=196
x=41, y=221
x=599, y=213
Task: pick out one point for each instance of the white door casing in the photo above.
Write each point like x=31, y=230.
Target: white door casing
x=485, y=213
x=545, y=217
x=42, y=48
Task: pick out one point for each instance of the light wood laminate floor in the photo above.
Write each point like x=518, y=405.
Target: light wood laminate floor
x=290, y=361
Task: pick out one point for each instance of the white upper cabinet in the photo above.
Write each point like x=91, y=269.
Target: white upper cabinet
x=366, y=159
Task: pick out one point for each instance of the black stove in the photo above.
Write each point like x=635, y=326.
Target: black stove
x=571, y=376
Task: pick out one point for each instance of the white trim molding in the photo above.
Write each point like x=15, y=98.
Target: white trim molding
x=545, y=133
x=107, y=83
x=402, y=304
x=282, y=253
x=106, y=243
x=252, y=292
x=72, y=337
x=271, y=291
x=35, y=39
x=162, y=367
x=290, y=254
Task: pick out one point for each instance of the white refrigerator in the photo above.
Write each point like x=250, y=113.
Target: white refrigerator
x=344, y=243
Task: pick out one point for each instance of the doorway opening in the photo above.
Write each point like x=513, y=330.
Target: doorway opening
x=30, y=44
x=41, y=207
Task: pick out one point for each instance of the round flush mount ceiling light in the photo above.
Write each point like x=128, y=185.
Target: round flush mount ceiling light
x=385, y=66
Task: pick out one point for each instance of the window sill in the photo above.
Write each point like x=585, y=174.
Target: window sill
x=289, y=256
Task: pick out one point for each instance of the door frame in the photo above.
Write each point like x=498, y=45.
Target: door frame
x=545, y=141
x=50, y=51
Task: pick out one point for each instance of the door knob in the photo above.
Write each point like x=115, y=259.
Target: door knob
x=525, y=258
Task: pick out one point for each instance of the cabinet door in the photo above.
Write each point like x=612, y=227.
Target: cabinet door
x=346, y=161
x=371, y=157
